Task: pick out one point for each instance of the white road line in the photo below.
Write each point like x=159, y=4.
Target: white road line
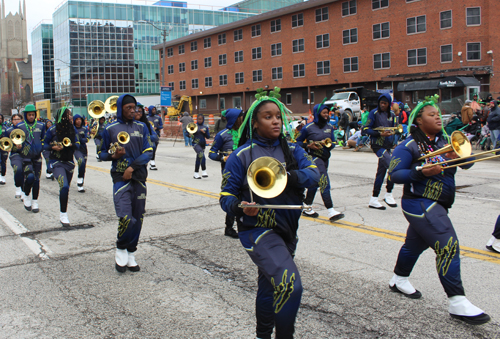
x=36, y=246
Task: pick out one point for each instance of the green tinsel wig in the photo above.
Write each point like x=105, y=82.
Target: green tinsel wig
x=428, y=101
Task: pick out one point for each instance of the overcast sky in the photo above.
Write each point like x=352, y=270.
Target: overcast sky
x=38, y=10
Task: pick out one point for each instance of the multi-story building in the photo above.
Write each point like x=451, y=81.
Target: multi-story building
x=411, y=48
x=107, y=47
x=42, y=49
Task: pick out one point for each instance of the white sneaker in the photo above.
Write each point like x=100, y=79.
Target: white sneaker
x=34, y=206
x=310, y=212
x=493, y=244
x=334, y=215
x=48, y=175
x=131, y=263
x=64, y=219
x=389, y=200
x=402, y=285
x=152, y=165
x=79, y=181
x=19, y=193
x=196, y=175
x=374, y=203
x=204, y=174
x=121, y=259
x=27, y=202
x=2, y=179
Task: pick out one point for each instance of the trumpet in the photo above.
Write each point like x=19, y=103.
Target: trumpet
x=17, y=136
x=192, y=128
x=65, y=143
x=123, y=139
x=6, y=144
x=225, y=154
x=326, y=143
x=267, y=178
x=394, y=130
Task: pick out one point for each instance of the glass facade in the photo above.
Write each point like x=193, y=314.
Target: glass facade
x=43, y=63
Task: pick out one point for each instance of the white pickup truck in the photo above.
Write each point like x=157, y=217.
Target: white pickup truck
x=351, y=99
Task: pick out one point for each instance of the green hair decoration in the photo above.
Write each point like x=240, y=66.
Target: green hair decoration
x=428, y=101
x=319, y=106
x=62, y=109
x=223, y=113
x=261, y=96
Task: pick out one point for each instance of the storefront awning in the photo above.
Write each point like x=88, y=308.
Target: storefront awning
x=422, y=85
x=451, y=82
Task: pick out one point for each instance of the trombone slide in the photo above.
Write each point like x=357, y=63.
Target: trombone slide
x=278, y=207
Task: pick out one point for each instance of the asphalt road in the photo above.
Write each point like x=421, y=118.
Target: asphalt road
x=196, y=283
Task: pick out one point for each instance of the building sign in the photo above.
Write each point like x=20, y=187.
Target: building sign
x=447, y=83
x=166, y=96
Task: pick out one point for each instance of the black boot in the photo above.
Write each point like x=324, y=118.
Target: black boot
x=230, y=232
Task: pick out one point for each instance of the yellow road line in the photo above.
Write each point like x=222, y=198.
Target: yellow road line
x=379, y=232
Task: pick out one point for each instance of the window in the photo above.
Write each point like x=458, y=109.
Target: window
x=350, y=36
x=170, y=52
x=381, y=61
x=238, y=56
x=208, y=82
x=298, y=45
x=350, y=64
x=446, y=53
x=222, y=103
x=417, y=57
x=474, y=16
x=474, y=51
x=381, y=31
x=288, y=98
x=445, y=19
x=275, y=25
x=297, y=20
x=256, y=53
x=277, y=73
x=257, y=75
x=322, y=14
x=238, y=35
x=239, y=78
x=194, y=83
x=299, y=71
x=194, y=46
x=182, y=85
x=181, y=49
x=207, y=42
x=276, y=49
x=223, y=80
x=323, y=67
x=349, y=8
x=194, y=65
x=182, y=67
x=170, y=69
x=222, y=59
x=208, y=62
x=376, y=4
x=221, y=39
x=415, y=25
x=203, y=103
x=171, y=85
x=322, y=41
x=255, y=30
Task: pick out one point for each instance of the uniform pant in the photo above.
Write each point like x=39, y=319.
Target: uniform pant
x=200, y=158
x=16, y=162
x=154, y=150
x=431, y=227
x=130, y=205
x=46, y=155
x=384, y=159
x=229, y=218
x=97, y=143
x=496, y=231
x=279, y=284
x=323, y=184
x=81, y=160
x=3, y=158
x=32, y=168
x=63, y=173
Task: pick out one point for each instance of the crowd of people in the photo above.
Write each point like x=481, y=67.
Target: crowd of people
x=266, y=231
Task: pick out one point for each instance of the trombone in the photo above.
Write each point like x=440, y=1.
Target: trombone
x=394, y=130
x=6, y=144
x=123, y=139
x=192, y=128
x=460, y=144
x=327, y=143
x=267, y=178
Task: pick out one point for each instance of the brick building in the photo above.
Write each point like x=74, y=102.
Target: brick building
x=413, y=48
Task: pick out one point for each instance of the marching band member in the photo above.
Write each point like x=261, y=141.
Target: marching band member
x=222, y=147
x=129, y=173
x=158, y=126
x=98, y=135
x=199, y=144
x=428, y=195
x=381, y=143
x=61, y=156
x=46, y=154
x=269, y=235
x=31, y=154
x=82, y=152
x=141, y=116
x=16, y=161
x=3, y=154
x=310, y=139
x=494, y=243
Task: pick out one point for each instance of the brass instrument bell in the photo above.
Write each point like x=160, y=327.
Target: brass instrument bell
x=123, y=139
x=6, y=144
x=17, y=136
x=267, y=177
x=111, y=104
x=460, y=144
x=327, y=142
x=192, y=128
x=66, y=142
x=96, y=109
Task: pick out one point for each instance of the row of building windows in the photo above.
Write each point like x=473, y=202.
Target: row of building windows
x=380, y=61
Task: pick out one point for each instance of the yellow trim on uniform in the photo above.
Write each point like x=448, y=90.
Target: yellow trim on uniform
x=409, y=142
x=225, y=194
x=147, y=149
x=122, y=187
x=244, y=149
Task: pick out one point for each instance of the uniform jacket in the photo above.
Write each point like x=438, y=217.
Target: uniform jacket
x=32, y=147
x=83, y=134
x=199, y=138
x=139, y=150
x=156, y=120
x=377, y=118
x=223, y=141
x=66, y=154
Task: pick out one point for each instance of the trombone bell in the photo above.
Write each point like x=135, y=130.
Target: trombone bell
x=123, y=137
x=267, y=177
x=6, y=144
x=192, y=128
x=17, y=136
x=460, y=144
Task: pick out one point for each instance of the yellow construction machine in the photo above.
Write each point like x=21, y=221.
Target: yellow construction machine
x=177, y=106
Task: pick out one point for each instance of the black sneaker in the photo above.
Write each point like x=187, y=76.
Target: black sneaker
x=230, y=232
x=337, y=217
x=479, y=319
x=120, y=269
x=314, y=215
x=414, y=295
